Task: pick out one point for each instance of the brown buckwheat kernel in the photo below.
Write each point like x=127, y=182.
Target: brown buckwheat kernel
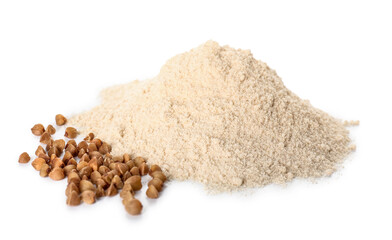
x=57, y=162
x=159, y=174
x=71, y=142
x=50, y=129
x=74, y=177
x=138, y=161
x=100, y=182
x=143, y=169
x=117, y=182
x=105, y=148
x=152, y=192
x=24, y=158
x=157, y=183
x=89, y=137
x=39, y=150
x=73, y=199
x=55, y=151
x=92, y=147
x=88, y=197
x=93, y=163
x=60, y=120
x=49, y=144
x=68, y=169
x=135, y=182
x=71, y=132
x=100, y=192
x=45, y=138
x=133, y=207
x=86, y=171
x=44, y=171
x=72, y=161
x=59, y=144
x=85, y=185
x=134, y=171
x=126, y=157
x=83, y=145
x=154, y=168
x=97, y=142
x=111, y=191
x=126, y=175
x=127, y=190
x=85, y=158
x=81, y=153
x=81, y=165
x=38, y=129
x=71, y=187
x=57, y=174
x=37, y=163
x=95, y=176
x=67, y=156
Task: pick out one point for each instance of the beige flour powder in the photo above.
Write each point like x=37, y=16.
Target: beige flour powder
x=220, y=117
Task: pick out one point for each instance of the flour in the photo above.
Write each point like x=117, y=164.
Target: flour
x=218, y=116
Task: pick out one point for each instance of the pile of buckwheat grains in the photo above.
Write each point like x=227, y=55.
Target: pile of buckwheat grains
x=218, y=116
x=97, y=173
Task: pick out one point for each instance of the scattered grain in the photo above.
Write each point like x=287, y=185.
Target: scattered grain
x=57, y=174
x=38, y=129
x=71, y=132
x=45, y=138
x=50, y=129
x=152, y=192
x=60, y=120
x=24, y=158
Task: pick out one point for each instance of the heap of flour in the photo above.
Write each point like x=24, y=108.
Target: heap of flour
x=220, y=117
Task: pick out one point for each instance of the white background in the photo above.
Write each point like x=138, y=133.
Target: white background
x=55, y=57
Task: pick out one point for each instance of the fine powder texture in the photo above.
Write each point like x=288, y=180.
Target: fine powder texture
x=220, y=117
